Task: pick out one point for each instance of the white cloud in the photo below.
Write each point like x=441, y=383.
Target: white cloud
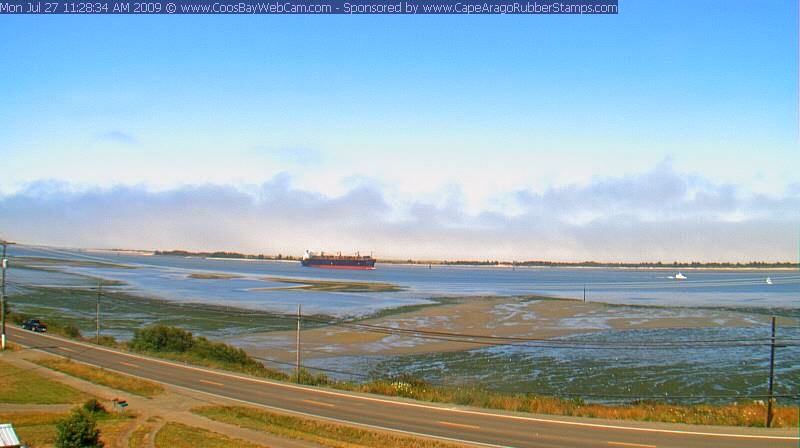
x=660, y=214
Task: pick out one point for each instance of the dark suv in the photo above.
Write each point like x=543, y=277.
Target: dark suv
x=35, y=325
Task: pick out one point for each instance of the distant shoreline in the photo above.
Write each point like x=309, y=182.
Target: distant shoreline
x=577, y=266
x=755, y=265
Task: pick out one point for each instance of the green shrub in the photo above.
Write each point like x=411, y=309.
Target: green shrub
x=109, y=341
x=176, y=343
x=68, y=330
x=78, y=430
x=93, y=406
x=304, y=376
x=220, y=351
x=161, y=338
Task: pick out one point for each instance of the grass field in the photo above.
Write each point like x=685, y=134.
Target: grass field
x=103, y=377
x=27, y=386
x=38, y=429
x=35, y=428
x=175, y=435
x=316, y=431
x=138, y=438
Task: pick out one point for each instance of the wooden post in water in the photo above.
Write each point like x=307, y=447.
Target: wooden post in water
x=297, y=343
x=771, y=374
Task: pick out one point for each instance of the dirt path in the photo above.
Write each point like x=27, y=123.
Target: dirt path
x=54, y=408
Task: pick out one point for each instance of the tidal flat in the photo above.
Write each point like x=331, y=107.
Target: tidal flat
x=496, y=341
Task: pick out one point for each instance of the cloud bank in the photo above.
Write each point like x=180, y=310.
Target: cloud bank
x=657, y=215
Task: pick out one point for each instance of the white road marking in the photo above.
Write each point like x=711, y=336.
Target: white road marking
x=638, y=445
x=130, y=365
x=459, y=425
x=319, y=403
x=66, y=349
x=423, y=406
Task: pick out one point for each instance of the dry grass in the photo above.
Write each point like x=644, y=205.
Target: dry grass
x=38, y=429
x=111, y=432
x=31, y=418
x=175, y=435
x=736, y=414
x=25, y=386
x=37, y=435
x=103, y=377
x=138, y=438
x=12, y=347
x=316, y=431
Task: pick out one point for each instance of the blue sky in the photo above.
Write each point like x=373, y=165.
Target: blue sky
x=452, y=121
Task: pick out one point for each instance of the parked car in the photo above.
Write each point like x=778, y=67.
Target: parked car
x=35, y=325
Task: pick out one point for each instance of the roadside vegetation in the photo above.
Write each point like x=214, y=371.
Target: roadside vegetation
x=176, y=435
x=316, y=431
x=176, y=343
x=56, y=327
x=21, y=386
x=103, y=377
x=751, y=413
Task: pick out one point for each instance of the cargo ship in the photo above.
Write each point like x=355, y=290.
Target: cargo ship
x=339, y=261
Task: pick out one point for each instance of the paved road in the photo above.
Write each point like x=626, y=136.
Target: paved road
x=466, y=425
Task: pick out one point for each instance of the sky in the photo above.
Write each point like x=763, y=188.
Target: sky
x=667, y=132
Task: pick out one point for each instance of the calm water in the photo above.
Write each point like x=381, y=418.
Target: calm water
x=168, y=277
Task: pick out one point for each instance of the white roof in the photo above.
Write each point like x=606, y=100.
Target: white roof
x=7, y=435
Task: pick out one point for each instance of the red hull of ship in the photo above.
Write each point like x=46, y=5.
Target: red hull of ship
x=359, y=268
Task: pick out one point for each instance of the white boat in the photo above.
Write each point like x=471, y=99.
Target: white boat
x=680, y=276
x=769, y=281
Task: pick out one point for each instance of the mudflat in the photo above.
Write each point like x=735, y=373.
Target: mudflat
x=514, y=317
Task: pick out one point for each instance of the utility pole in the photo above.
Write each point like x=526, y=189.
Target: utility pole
x=4, y=262
x=297, y=342
x=771, y=374
x=97, y=310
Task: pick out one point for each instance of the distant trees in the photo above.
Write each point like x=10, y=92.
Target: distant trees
x=222, y=254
